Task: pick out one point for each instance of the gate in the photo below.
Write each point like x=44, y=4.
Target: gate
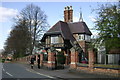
x=60, y=60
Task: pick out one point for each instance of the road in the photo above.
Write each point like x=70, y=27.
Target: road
x=15, y=70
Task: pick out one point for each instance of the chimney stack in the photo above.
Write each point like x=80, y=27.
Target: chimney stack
x=68, y=14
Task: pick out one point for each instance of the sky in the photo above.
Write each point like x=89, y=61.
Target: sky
x=53, y=10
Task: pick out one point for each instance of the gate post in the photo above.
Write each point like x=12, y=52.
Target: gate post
x=51, y=59
x=91, y=59
x=36, y=58
x=74, y=58
x=41, y=60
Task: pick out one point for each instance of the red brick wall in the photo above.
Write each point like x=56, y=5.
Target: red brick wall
x=91, y=58
x=83, y=68
x=106, y=70
x=100, y=71
x=51, y=59
x=91, y=68
x=74, y=58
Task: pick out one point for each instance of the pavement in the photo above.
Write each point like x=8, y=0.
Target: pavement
x=1, y=70
x=66, y=73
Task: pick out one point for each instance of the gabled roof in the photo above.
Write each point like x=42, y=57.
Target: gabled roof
x=76, y=27
x=55, y=28
x=79, y=27
x=68, y=29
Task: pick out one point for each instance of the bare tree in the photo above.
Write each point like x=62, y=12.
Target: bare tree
x=36, y=21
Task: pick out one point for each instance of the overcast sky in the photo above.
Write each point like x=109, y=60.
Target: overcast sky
x=53, y=10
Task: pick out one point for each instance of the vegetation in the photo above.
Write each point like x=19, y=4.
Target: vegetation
x=0, y=60
x=107, y=66
x=19, y=40
x=102, y=65
x=36, y=22
x=108, y=25
x=29, y=26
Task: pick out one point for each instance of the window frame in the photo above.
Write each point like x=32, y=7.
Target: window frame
x=54, y=39
x=81, y=37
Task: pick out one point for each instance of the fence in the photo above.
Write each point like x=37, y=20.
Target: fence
x=109, y=59
x=113, y=58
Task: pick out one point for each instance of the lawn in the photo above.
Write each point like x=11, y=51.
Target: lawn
x=101, y=65
x=0, y=60
x=107, y=66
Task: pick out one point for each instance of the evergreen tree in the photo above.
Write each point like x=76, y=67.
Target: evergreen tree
x=19, y=40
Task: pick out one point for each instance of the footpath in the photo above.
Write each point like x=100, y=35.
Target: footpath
x=1, y=66
x=66, y=73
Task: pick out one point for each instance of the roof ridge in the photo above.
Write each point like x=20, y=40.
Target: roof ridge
x=61, y=29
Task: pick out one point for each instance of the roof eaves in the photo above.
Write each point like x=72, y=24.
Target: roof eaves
x=51, y=33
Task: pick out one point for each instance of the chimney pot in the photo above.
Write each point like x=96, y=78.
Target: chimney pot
x=68, y=14
x=65, y=8
x=70, y=7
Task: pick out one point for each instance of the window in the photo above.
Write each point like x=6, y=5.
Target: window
x=80, y=37
x=87, y=37
x=54, y=39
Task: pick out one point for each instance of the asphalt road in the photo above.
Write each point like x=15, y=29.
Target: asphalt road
x=14, y=70
x=17, y=71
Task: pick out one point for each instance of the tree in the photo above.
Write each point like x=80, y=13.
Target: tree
x=30, y=24
x=36, y=22
x=19, y=40
x=108, y=25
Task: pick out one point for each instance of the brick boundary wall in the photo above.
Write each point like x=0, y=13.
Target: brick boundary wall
x=50, y=64
x=51, y=60
x=100, y=71
x=90, y=68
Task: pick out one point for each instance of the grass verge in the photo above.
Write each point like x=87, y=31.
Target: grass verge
x=107, y=66
x=0, y=60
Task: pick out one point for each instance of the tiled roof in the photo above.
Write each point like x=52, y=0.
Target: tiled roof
x=55, y=28
x=76, y=27
x=68, y=29
x=79, y=27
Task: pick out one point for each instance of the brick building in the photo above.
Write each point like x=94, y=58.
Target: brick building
x=64, y=33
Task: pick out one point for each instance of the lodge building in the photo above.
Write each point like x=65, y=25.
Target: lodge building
x=72, y=40
x=64, y=33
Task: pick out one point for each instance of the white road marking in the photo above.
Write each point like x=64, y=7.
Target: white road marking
x=9, y=74
x=45, y=75
x=39, y=73
x=29, y=70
